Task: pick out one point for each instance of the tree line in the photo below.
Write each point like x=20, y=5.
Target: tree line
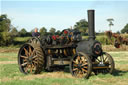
x=8, y=32
x=82, y=25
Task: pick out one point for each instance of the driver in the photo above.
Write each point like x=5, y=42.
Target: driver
x=35, y=33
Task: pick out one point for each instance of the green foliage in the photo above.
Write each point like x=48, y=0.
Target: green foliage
x=82, y=25
x=43, y=31
x=14, y=32
x=118, y=32
x=6, y=39
x=19, y=41
x=5, y=23
x=5, y=27
x=23, y=32
x=103, y=40
x=52, y=30
x=58, y=32
x=125, y=29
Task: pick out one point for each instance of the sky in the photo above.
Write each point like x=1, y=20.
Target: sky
x=62, y=14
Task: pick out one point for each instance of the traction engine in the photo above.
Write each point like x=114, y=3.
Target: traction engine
x=51, y=52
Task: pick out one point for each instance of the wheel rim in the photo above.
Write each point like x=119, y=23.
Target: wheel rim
x=80, y=66
x=28, y=59
x=106, y=60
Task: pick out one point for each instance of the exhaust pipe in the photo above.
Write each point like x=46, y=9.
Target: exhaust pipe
x=91, y=24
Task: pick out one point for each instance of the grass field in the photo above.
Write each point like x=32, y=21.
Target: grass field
x=10, y=74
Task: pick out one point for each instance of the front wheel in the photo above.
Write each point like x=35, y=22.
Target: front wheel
x=107, y=60
x=81, y=65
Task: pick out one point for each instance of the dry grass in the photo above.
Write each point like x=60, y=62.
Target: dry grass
x=43, y=75
x=8, y=62
x=112, y=48
x=7, y=50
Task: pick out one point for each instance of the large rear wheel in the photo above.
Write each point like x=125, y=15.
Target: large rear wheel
x=31, y=59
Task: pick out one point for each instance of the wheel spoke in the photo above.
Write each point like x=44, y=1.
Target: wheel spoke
x=24, y=64
x=98, y=60
x=105, y=59
x=25, y=60
x=75, y=69
x=78, y=58
x=101, y=59
x=31, y=68
x=84, y=64
x=75, y=65
x=85, y=67
x=84, y=70
x=26, y=52
x=30, y=51
x=23, y=57
x=26, y=69
x=80, y=74
x=81, y=61
x=34, y=67
x=75, y=62
x=76, y=72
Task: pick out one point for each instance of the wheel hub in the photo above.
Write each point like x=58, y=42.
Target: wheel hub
x=79, y=66
x=30, y=59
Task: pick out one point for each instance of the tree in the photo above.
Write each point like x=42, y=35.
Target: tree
x=52, y=30
x=125, y=29
x=110, y=22
x=81, y=25
x=5, y=23
x=118, y=32
x=5, y=27
x=14, y=32
x=58, y=32
x=32, y=30
x=43, y=31
x=23, y=32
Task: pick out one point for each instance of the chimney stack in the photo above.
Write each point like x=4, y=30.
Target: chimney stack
x=91, y=24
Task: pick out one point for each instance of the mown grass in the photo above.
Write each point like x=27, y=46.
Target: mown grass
x=8, y=56
x=10, y=74
x=22, y=39
x=10, y=71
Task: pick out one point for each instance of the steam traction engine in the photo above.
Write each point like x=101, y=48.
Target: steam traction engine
x=50, y=52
